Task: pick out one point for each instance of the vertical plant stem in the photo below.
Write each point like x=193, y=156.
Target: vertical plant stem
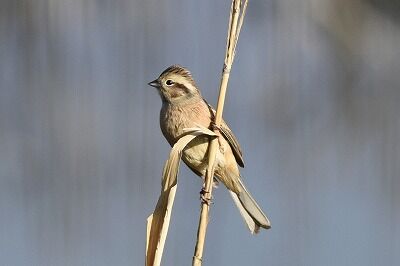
x=232, y=37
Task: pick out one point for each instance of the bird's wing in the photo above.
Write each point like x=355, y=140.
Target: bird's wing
x=233, y=142
x=230, y=137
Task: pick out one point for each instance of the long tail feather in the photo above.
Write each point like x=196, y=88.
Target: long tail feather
x=250, y=211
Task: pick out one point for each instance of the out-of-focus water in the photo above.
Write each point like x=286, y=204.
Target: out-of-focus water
x=314, y=99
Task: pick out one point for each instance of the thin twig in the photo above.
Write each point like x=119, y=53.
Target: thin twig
x=232, y=38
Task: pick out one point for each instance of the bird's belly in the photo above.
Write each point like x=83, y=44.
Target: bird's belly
x=195, y=155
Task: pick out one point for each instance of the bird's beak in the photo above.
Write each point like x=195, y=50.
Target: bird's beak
x=155, y=83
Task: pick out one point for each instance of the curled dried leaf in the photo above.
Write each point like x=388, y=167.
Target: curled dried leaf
x=158, y=221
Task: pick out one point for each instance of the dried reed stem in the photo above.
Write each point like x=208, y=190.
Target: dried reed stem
x=232, y=38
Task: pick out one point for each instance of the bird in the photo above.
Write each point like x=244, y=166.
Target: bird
x=184, y=107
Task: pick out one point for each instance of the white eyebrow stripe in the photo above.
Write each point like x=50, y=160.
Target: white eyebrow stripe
x=185, y=82
x=190, y=87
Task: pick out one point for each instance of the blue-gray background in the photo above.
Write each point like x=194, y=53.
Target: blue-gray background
x=314, y=99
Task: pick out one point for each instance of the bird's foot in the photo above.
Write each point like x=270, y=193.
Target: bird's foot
x=205, y=197
x=214, y=126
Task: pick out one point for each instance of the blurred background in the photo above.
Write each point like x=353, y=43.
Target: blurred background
x=314, y=99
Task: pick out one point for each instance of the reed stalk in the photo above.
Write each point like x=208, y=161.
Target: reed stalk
x=235, y=23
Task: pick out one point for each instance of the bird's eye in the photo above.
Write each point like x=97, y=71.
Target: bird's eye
x=169, y=82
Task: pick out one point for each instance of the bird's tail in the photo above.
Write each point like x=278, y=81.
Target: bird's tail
x=250, y=211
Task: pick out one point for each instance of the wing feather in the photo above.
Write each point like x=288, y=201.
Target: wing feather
x=230, y=137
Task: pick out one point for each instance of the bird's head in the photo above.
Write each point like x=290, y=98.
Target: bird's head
x=176, y=85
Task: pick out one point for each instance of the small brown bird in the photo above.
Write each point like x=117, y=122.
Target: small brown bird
x=184, y=107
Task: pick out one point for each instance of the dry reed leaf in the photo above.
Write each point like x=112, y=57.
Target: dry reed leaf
x=158, y=222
